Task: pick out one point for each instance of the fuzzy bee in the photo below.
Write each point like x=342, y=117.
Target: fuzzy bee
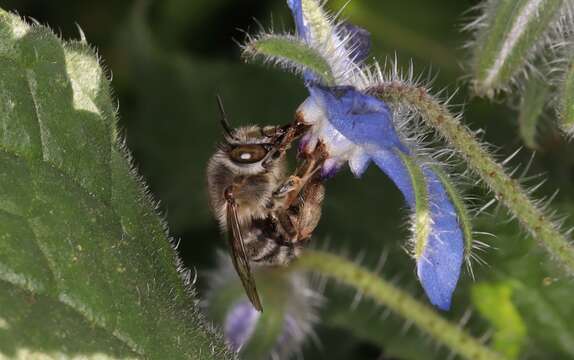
x=268, y=216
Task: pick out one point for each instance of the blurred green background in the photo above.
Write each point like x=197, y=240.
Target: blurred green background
x=168, y=60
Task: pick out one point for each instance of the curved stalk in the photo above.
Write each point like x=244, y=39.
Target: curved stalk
x=398, y=301
x=507, y=190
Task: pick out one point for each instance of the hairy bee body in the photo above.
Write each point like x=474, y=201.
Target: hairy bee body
x=272, y=231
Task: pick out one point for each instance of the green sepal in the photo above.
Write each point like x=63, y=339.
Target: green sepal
x=291, y=53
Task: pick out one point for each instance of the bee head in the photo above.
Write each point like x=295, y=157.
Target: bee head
x=252, y=149
x=249, y=149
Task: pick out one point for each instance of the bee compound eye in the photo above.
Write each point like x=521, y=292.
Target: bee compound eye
x=248, y=154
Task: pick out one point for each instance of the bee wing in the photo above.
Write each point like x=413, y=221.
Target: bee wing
x=239, y=257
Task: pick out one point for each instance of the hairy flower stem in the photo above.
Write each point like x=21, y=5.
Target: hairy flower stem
x=396, y=300
x=506, y=189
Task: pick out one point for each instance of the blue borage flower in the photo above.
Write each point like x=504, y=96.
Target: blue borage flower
x=291, y=311
x=358, y=128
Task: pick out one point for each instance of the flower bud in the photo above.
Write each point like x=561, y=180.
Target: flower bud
x=290, y=310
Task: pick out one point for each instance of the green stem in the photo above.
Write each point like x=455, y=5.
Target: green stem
x=396, y=300
x=506, y=189
x=567, y=100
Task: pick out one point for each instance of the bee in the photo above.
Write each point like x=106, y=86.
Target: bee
x=268, y=217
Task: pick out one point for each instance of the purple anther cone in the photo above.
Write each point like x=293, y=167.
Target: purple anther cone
x=240, y=324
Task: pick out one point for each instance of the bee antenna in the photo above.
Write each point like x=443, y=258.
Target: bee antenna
x=223, y=117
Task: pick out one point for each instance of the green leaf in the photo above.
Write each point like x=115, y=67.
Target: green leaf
x=531, y=109
x=507, y=37
x=548, y=319
x=539, y=292
x=79, y=237
x=38, y=326
x=494, y=302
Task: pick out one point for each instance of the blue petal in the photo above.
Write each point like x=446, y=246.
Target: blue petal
x=438, y=268
x=367, y=121
x=440, y=264
x=359, y=40
x=297, y=11
x=303, y=32
x=363, y=119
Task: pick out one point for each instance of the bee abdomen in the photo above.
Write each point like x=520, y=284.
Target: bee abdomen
x=269, y=251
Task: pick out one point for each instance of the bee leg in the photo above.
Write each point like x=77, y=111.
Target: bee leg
x=292, y=187
x=298, y=222
x=285, y=136
x=291, y=132
x=293, y=184
x=297, y=202
x=293, y=228
x=310, y=206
